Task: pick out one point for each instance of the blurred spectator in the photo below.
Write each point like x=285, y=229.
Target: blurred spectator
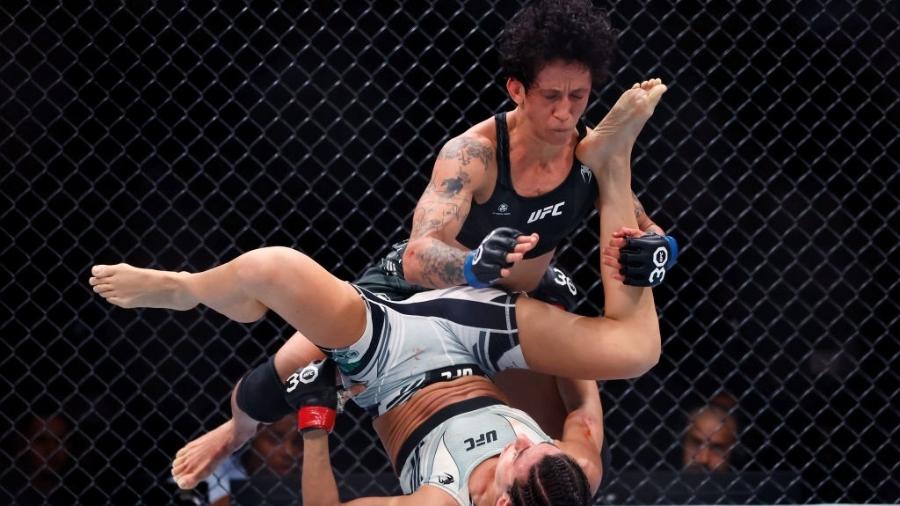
x=272, y=458
x=712, y=436
x=42, y=457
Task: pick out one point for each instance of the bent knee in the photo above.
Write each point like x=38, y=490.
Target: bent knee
x=266, y=266
x=645, y=360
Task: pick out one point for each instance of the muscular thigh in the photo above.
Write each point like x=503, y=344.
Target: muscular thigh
x=295, y=353
x=325, y=309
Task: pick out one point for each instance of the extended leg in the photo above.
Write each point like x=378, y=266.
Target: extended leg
x=327, y=310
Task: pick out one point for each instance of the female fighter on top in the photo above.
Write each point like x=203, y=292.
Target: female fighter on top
x=379, y=345
x=516, y=170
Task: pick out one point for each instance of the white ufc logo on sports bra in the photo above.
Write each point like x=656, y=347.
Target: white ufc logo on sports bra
x=541, y=213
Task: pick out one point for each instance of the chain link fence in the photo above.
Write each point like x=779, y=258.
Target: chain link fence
x=179, y=136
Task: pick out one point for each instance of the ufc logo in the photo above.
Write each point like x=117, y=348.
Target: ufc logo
x=305, y=376
x=447, y=375
x=482, y=440
x=541, y=213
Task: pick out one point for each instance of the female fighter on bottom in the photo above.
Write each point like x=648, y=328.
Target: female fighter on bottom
x=391, y=348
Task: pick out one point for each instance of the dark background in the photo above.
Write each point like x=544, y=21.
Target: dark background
x=178, y=137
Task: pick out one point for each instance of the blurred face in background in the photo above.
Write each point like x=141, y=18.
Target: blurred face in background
x=710, y=439
x=45, y=444
x=278, y=448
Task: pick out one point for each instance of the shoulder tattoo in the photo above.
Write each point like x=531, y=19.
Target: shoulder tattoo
x=466, y=149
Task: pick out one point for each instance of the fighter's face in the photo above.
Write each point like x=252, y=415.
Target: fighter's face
x=517, y=459
x=557, y=99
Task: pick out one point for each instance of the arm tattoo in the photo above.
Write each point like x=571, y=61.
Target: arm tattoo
x=442, y=265
x=435, y=209
x=638, y=208
x=443, y=206
x=451, y=186
x=465, y=150
x=644, y=222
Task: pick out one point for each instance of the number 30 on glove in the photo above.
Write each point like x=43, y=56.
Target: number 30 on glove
x=646, y=259
x=313, y=392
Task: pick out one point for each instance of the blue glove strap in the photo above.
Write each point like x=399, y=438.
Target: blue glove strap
x=673, y=251
x=471, y=279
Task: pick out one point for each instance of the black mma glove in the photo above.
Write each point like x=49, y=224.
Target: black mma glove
x=483, y=264
x=313, y=392
x=646, y=259
x=557, y=288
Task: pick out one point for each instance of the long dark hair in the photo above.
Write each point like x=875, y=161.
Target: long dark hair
x=556, y=480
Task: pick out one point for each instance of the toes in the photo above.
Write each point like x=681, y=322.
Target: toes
x=100, y=271
x=657, y=91
x=104, y=288
x=185, y=482
x=117, y=301
x=182, y=454
x=183, y=476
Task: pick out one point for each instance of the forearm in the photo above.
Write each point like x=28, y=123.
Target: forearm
x=584, y=420
x=579, y=395
x=317, y=481
x=432, y=263
x=433, y=258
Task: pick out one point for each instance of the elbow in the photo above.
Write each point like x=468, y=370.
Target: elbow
x=411, y=266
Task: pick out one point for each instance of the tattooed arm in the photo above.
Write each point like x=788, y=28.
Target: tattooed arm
x=644, y=222
x=433, y=258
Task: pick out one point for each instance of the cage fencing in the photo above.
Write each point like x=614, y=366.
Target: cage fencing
x=180, y=135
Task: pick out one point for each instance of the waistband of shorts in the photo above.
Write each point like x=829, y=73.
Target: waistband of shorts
x=441, y=416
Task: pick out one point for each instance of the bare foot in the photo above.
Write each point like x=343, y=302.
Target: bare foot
x=616, y=133
x=199, y=458
x=126, y=286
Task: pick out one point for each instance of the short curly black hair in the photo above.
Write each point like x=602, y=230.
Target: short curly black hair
x=573, y=31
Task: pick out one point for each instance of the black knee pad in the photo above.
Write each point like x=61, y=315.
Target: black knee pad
x=261, y=394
